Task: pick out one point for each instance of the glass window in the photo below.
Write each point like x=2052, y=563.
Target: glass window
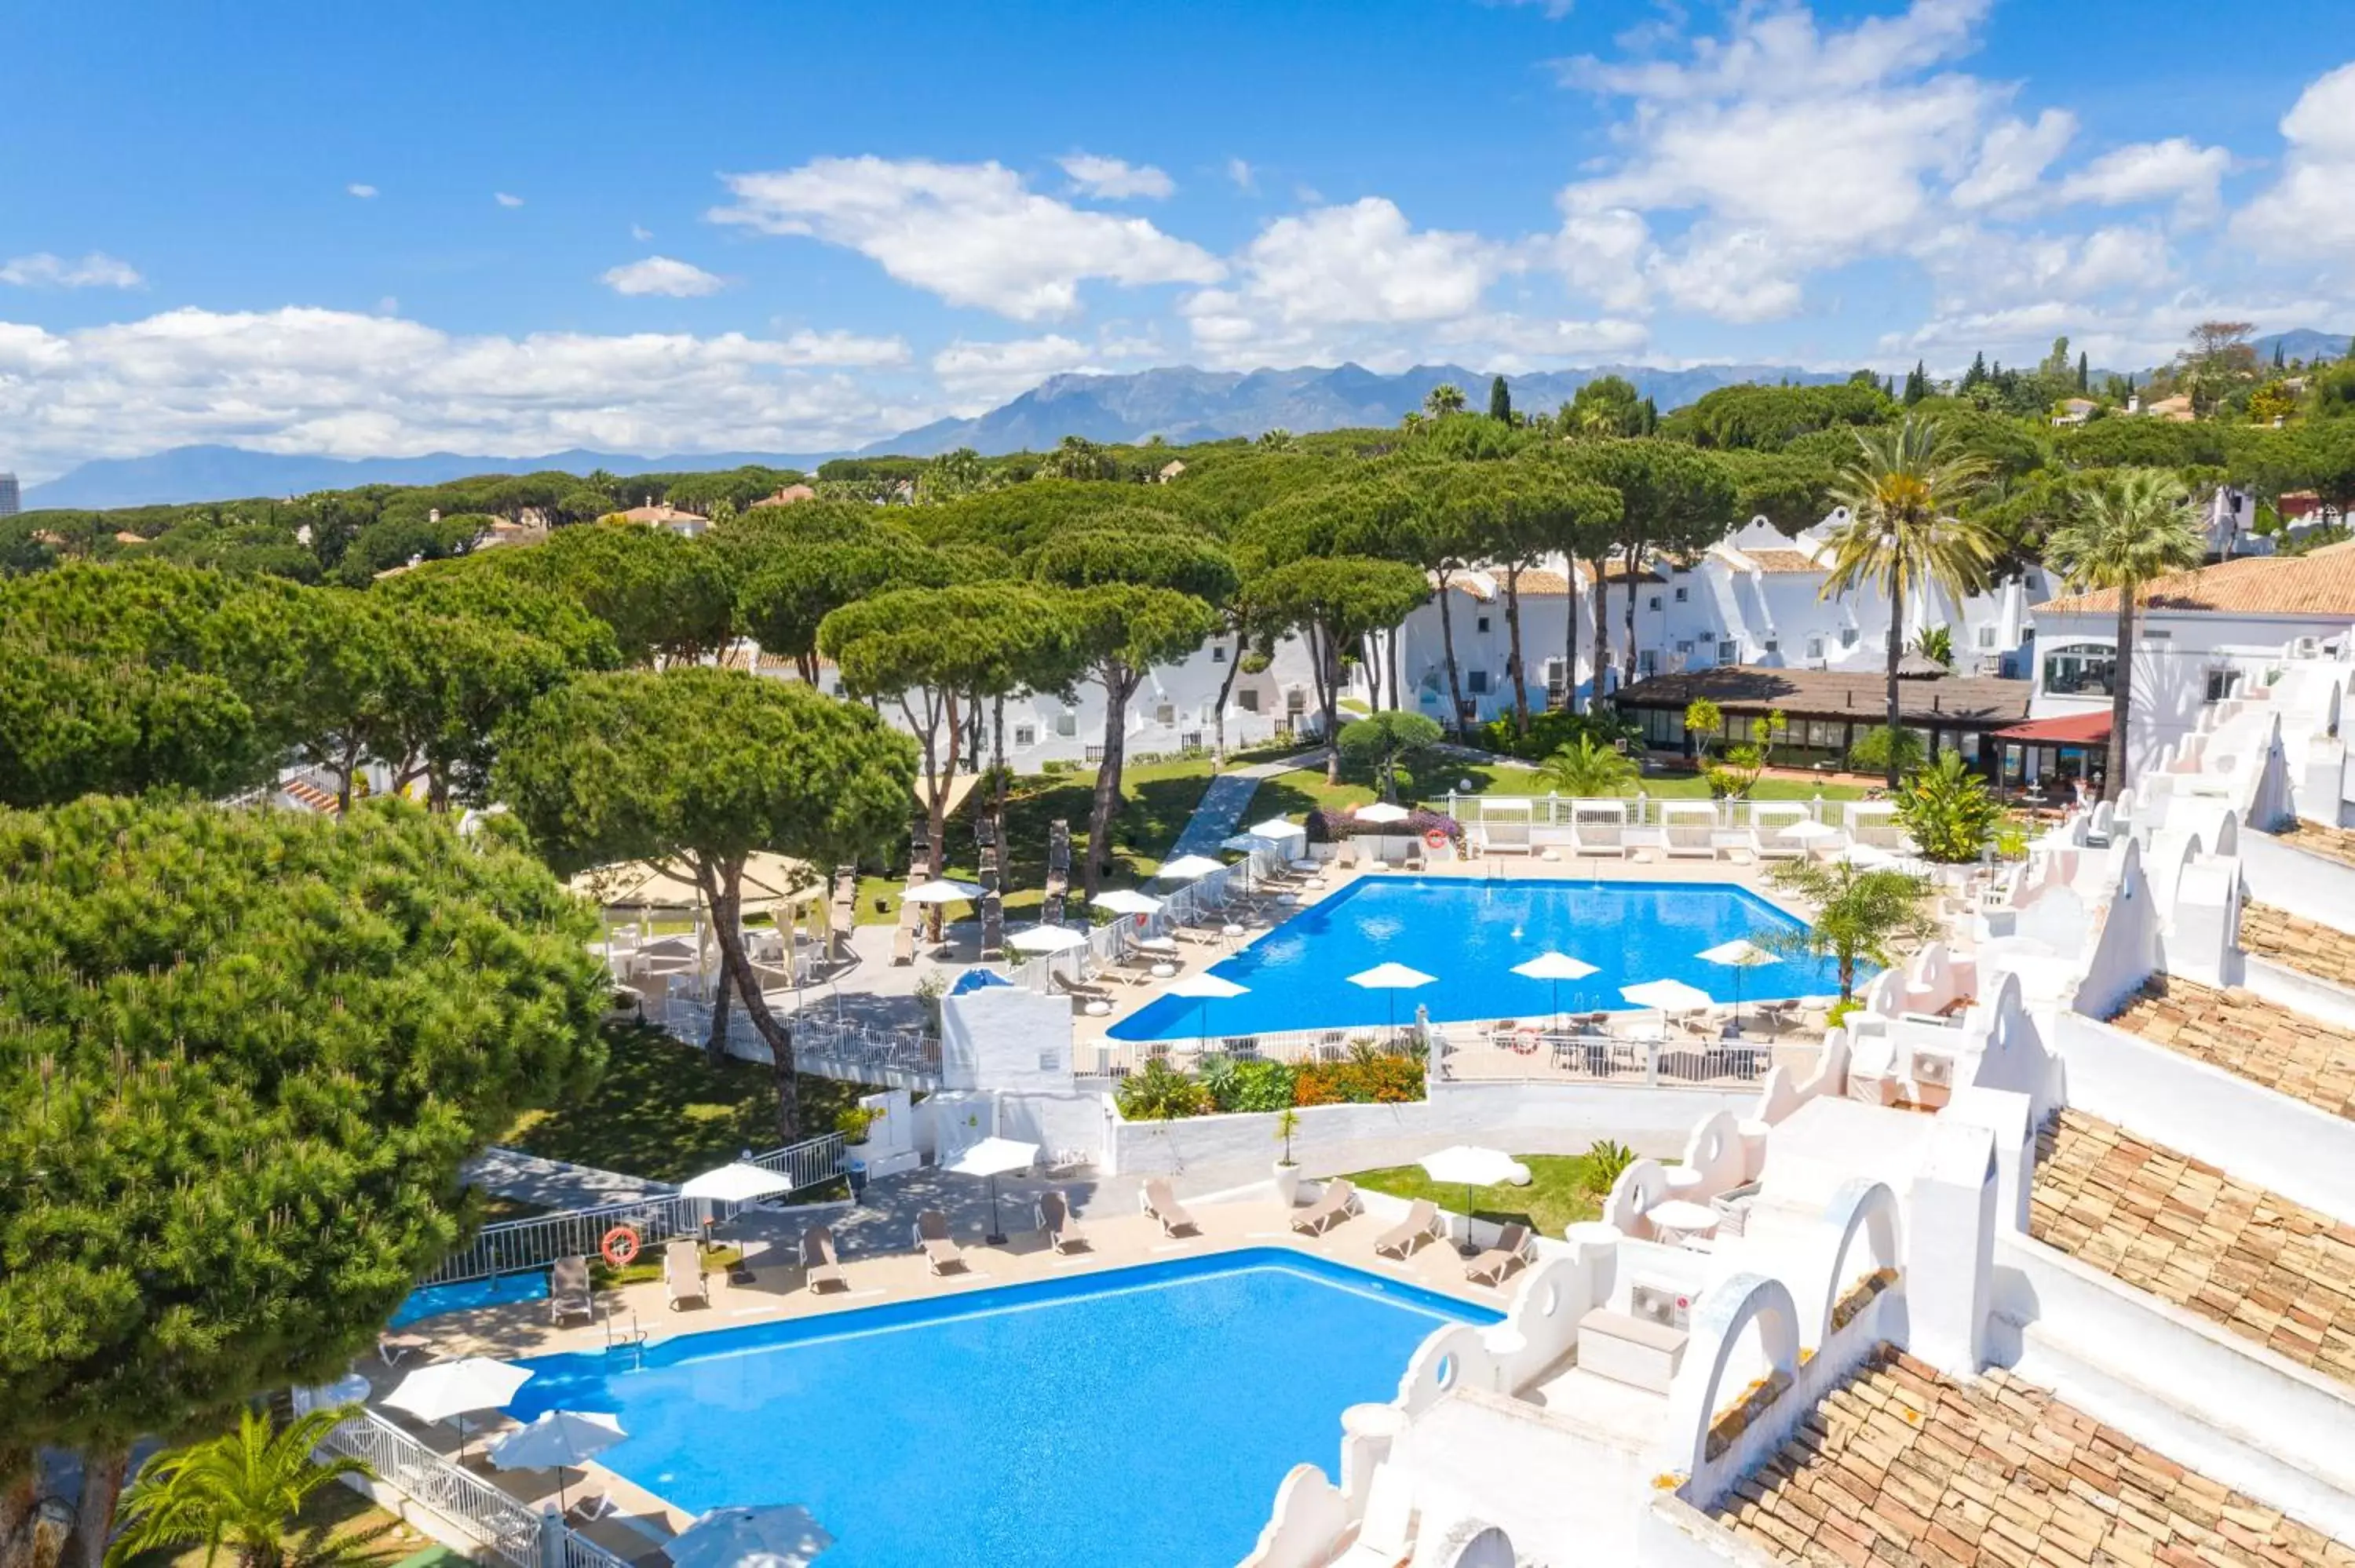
x=1296, y=702
x=1476, y=682
x=1773, y=646
x=1814, y=647
x=1483, y=623
x=1025, y=737
x=1727, y=651
x=2081, y=670
x=1067, y=722
x=1647, y=662
x=1218, y=652
x=2220, y=682
x=1968, y=743
x=1828, y=735
x=1248, y=699
x=1655, y=602
x=1987, y=636
x=1165, y=713
x=1680, y=596
x=1847, y=636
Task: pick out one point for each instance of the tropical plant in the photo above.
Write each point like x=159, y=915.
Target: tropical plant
x=243, y=1490
x=1905, y=534
x=1382, y=738
x=1936, y=643
x=1860, y=916
x=1606, y=1160
x=1587, y=770
x=1883, y=749
x=1734, y=774
x=1277, y=439
x=1161, y=1093
x=2130, y=527
x=1445, y=399
x=1703, y=722
x=1288, y=1122
x=1948, y=809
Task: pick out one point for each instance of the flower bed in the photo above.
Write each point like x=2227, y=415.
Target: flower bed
x=1369, y=1076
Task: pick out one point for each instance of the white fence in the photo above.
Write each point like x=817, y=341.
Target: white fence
x=822, y=1045
x=535, y=1243
x=1188, y=905
x=1472, y=1054
x=1865, y=822
x=506, y=1526
x=1119, y=1058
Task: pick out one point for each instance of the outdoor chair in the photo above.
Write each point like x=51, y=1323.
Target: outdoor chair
x=1494, y=1266
x=1161, y=1204
x=569, y=1294
x=941, y=1254
x=588, y=1507
x=1336, y=1203
x=1062, y=1231
x=1420, y=1224
x=391, y=1347
x=819, y=1268
x=682, y=1277
x=904, y=945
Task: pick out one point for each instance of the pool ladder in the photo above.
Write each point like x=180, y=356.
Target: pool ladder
x=634, y=1341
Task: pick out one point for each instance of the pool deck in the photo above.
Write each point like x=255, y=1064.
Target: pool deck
x=1118, y=1239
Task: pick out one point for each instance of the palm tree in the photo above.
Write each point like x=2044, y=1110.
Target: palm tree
x=1445, y=399
x=1860, y=916
x=1585, y=768
x=244, y=1490
x=2134, y=524
x=1903, y=493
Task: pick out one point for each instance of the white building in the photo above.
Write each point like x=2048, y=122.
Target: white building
x=1754, y=598
x=2201, y=637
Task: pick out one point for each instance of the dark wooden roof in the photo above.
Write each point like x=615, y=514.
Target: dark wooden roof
x=1836, y=694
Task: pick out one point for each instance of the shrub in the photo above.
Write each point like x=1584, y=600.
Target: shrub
x=1836, y=1014
x=1948, y=809
x=1368, y=1079
x=1162, y=1092
x=1606, y=1160
x=1326, y=827
x=1871, y=752
x=1247, y=1086
x=1550, y=732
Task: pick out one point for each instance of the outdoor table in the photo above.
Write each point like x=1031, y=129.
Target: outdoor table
x=1676, y=1220
x=1155, y=944
x=1165, y=971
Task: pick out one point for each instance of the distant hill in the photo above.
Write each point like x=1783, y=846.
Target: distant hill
x=1183, y=405
x=2304, y=344
x=223, y=474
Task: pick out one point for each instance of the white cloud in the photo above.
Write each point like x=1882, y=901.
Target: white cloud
x=662, y=275
x=1114, y=179
x=366, y=192
x=1555, y=10
x=2013, y=158
x=2305, y=216
x=1245, y=176
x=352, y=385
x=1734, y=274
x=2176, y=170
x=972, y=233
x=95, y=271
x=504, y=200
x=980, y=376
x=641, y=233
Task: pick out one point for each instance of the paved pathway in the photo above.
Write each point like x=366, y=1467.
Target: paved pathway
x=1223, y=805
x=553, y=1184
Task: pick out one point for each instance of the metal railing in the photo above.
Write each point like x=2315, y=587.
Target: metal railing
x=1469, y=1054
x=507, y=1526
x=1119, y=1058
x=1875, y=820
x=1191, y=903
x=822, y=1041
x=509, y=1246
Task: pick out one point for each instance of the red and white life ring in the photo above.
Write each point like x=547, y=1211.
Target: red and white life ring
x=1435, y=838
x=620, y=1246
x=1525, y=1041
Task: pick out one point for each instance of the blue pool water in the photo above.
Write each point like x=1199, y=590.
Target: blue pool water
x=1469, y=934
x=432, y=1300
x=1143, y=1416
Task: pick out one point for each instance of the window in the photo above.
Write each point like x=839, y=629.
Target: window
x=1814, y=647
x=1773, y=646
x=1296, y=702
x=1968, y=743
x=1096, y=754
x=1652, y=602
x=1476, y=682
x=1847, y=636
x=1727, y=651
x=1482, y=624
x=1553, y=677
x=1026, y=735
x=1247, y=699
x=1987, y=636
x=2081, y=670
x=2220, y=682
x=1680, y=596
x=1164, y=713
x=1825, y=735
x=1068, y=721
x=1647, y=664
x=1218, y=652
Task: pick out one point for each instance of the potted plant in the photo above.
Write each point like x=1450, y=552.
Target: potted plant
x=1287, y=1173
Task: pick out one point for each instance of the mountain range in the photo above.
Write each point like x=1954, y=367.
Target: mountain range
x=1179, y=404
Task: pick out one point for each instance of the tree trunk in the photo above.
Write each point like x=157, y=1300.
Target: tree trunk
x=1627, y=668
x=101, y=1489
x=20, y=1494
x=715, y=1043
x=1848, y=977
x=1513, y=647
x=1119, y=684
x=1397, y=696
x=1219, y=708
x=1602, y=627
x=1896, y=652
x=723, y=887
x=1329, y=702
x=1447, y=649
x=1570, y=635
x=2113, y=777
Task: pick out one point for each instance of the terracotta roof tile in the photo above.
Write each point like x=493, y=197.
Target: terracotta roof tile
x=2257, y=1040
x=1783, y=560
x=1539, y=583
x=2321, y=584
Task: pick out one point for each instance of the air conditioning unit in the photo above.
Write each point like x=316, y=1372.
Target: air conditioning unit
x=1663, y=1304
x=1934, y=1071
x=2306, y=647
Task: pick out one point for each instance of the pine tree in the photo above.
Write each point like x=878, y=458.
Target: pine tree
x=1977, y=373
x=1500, y=401
x=1651, y=417
x=2084, y=372
x=1917, y=384
x=2277, y=355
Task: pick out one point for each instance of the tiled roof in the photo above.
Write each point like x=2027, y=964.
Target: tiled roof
x=1836, y=694
x=2323, y=951
x=2286, y=1052
x=2249, y=1260
x=2319, y=584
x=1903, y=1464
x=664, y=513
x=1773, y=561
x=2331, y=843
x=1539, y=583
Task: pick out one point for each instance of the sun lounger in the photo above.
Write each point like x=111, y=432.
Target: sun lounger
x=682, y=1277
x=1162, y=1204
x=588, y=1507
x=941, y=1254
x=904, y=945
x=1421, y=1223
x=1336, y=1203
x=1062, y=1231
x=568, y=1290
x=391, y=1348
x=819, y=1268
x=1512, y=1252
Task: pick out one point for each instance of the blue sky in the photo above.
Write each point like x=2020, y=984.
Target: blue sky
x=509, y=229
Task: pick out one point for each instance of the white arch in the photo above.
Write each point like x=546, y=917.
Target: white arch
x=1729, y=1307
x=1864, y=1205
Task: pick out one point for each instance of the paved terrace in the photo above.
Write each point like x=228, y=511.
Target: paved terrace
x=2260, y=1041
x=2323, y=951
x=1119, y=1236
x=2243, y=1257
x=1905, y=1466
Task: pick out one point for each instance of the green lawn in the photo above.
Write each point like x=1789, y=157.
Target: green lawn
x=663, y=1112
x=1556, y=1196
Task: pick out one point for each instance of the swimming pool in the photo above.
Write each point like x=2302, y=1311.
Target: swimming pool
x=432, y=1300
x=1142, y=1415
x=1469, y=933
